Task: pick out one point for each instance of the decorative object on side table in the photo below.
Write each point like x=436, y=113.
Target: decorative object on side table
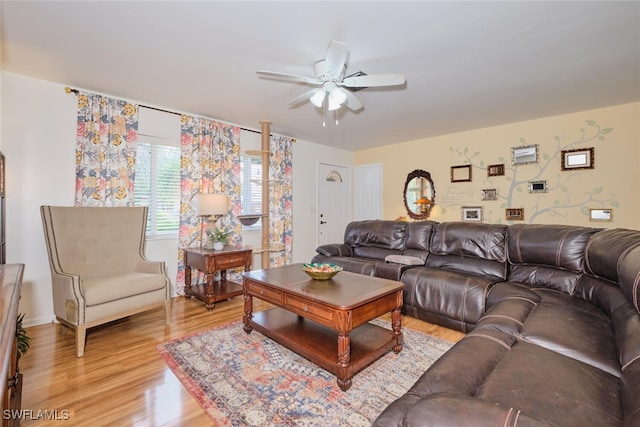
x=219, y=237
x=321, y=271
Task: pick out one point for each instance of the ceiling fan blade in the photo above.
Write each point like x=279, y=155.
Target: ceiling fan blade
x=289, y=77
x=371, y=80
x=336, y=59
x=303, y=97
x=352, y=102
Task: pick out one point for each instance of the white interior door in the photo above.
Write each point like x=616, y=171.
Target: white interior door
x=368, y=199
x=333, y=203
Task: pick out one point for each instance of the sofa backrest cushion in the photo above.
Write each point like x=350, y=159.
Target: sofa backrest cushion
x=629, y=276
x=606, y=249
x=468, y=247
x=560, y=246
x=376, y=233
x=418, y=239
x=547, y=255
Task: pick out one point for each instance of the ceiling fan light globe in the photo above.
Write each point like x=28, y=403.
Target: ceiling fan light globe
x=337, y=96
x=333, y=105
x=318, y=98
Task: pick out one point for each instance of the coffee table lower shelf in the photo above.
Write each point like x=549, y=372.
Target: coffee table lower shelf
x=319, y=343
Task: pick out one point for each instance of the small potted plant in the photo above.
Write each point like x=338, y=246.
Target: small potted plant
x=23, y=338
x=219, y=237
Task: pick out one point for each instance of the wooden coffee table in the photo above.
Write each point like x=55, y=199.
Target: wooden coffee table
x=326, y=321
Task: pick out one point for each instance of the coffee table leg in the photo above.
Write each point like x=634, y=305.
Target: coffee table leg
x=246, y=316
x=396, y=325
x=344, y=357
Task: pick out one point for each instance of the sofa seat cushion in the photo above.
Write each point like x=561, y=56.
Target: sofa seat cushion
x=354, y=265
x=374, y=252
x=457, y=296
x=554, y=388
x=559, y=322
x=100, y=290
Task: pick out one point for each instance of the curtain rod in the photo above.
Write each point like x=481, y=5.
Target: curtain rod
x=68, y=89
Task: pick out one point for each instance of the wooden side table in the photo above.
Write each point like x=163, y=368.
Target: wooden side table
x=209, y=261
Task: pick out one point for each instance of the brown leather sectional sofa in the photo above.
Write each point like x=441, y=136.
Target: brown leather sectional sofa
x=552, y=314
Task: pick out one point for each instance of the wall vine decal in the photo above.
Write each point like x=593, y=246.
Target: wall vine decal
x=557, y=201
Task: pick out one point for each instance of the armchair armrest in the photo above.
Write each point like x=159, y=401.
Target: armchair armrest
x=335, y=249
x=68, y=298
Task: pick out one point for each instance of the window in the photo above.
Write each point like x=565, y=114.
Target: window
x=251, y=195
x=157, y=185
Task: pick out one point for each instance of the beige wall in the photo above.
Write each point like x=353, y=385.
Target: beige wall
x=38, y=140
x=614, y=183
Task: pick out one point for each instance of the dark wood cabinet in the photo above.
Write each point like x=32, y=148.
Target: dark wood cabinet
x=3, y=252
x=11, y=390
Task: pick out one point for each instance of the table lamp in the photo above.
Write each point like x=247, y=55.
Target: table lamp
x=211, y=205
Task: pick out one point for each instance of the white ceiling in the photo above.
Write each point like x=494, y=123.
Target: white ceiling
x=468, y=64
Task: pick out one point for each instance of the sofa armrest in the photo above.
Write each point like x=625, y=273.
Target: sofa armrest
x=335, y=249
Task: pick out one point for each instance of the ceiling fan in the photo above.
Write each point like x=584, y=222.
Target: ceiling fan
x=334, y=89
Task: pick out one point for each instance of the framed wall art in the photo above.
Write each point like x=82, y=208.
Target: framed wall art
x=495, y=170
x=489, y=194
x=461, y=173
x=471, y=213
x=605, y=215
x=581, y=158
x=514, y=214
x=538, y=187
x=524, y=155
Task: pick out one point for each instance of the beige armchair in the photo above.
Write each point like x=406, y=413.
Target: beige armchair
x=99, y=272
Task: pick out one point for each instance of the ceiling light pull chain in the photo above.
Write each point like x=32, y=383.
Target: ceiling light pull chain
x=324, y=115
x=335, y=112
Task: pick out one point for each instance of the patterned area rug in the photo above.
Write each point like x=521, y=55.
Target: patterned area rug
x=247, y=379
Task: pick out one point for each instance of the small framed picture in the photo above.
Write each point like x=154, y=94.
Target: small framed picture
x=471, y=213
x=489, y=194
x=601, y=215
x=461, y=173
x=538, y=186
x=581, y=158
x=514, y=214
x=524, y=155
x=495, y=170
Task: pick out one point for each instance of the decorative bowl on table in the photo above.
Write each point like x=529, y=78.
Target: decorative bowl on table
x=321, y=271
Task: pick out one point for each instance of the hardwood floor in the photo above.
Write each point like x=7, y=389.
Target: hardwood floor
x=121, y=380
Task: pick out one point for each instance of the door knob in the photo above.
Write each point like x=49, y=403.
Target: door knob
x=323, y=222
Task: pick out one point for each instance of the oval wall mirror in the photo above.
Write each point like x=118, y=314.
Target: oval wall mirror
x=419, y=194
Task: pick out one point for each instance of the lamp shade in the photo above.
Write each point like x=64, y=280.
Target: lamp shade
x=212, y=204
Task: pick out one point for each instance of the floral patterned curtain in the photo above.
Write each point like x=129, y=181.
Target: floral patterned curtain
x=280, y=200
x=107, y=133
x=209, y=163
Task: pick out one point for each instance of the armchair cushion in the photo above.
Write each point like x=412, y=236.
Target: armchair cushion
x=99, y=290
